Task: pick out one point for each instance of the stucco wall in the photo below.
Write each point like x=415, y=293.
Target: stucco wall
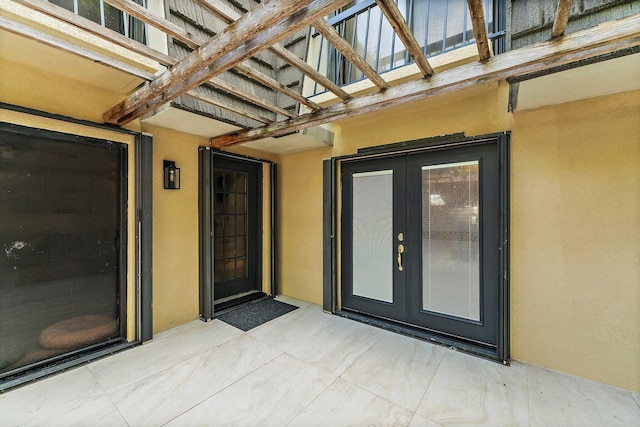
x=575, y=175
x=575, y=215
x=175, y=230
x=300, y=228
x=575, y=220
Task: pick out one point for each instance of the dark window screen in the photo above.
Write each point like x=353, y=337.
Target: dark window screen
x=230, y=225
x=62, y=245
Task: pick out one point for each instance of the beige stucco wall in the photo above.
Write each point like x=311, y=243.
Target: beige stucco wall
x=575, y=255
x=575, y=175
x=175, y=230
x=300, y=224
x=575, y=220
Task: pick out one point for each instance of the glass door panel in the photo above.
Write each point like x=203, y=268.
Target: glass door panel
x=373, y=235
x=420, y=240
x=454, y=265
x=230, y=228
x=450, y=239
x=236, y=193
x=372, y=215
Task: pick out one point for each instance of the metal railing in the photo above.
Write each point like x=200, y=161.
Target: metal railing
x=438, y=25
x=108, y=16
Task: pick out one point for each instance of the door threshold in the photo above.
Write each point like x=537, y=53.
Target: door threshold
x=64, y=362
x=476, y=349
x=233, y=301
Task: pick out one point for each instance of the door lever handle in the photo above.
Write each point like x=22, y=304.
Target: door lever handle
x=400, y=252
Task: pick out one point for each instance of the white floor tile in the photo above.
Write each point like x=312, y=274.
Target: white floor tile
x=292, y=301
x=467, y=390
x=271, y=396
x=420, y=421
x=164, y=351
x=156, y=400
x=397, y=367
x=338, y=346
x=557, y=399
x=72, y=398
x=345, y=404
x=287, y=331
x=310, y=368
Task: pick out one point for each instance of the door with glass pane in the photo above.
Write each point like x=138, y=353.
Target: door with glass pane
x=235, y=227
x=373, y=199
x=420, y=240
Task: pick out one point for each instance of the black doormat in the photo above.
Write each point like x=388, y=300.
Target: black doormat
x=255, y=313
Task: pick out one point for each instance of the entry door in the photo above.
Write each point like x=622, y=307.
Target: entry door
x=236, y=194
x=420, y=240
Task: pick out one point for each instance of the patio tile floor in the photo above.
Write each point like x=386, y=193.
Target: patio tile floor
x=309, y=368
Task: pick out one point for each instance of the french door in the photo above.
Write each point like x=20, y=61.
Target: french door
x=421, y=240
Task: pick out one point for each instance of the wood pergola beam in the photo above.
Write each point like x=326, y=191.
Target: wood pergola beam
x=399, y=24
x=479, y=28
x=331, y=35
x=64, y=15
x=255, y=31
x=562, y=18
x=230, y=16
x=231, y=89
x=194, y=42
x=604, y=39
x=68, y=47
x=309, y=71
x=260, y=77
x=154, y=20
x=76, y=50
x=97, y=30
x=197, y=94
x=219, y=9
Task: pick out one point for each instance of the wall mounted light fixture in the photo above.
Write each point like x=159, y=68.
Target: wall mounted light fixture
x=171, y=175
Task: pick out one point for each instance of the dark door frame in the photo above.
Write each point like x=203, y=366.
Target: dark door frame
x=331, y=230
x=206, y=158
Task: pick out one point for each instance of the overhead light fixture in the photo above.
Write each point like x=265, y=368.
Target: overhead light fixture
x=171, y=175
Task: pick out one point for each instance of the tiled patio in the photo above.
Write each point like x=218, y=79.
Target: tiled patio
x=309, y=368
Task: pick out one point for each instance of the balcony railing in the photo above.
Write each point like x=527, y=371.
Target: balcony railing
x=438, y=25
x=108, y=16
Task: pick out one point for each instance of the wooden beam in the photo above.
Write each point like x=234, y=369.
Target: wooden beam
x=604, y=39
x=68, y=47
x=309, y=71
x=98, y=30
x=231, y=89
x=479, y=28
x=226, y=13
x=197, y=94
x=154, y=20
x=562, y=18
x=194, y=42
x=345, y=48
x=91, y=27
x=256, y=30
x=399, y=24
x=246, y=70
x=219, y=9
x=85, y=53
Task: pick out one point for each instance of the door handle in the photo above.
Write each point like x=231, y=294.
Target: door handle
x=400, y=252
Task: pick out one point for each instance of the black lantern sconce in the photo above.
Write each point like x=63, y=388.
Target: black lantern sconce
x=171, y=175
